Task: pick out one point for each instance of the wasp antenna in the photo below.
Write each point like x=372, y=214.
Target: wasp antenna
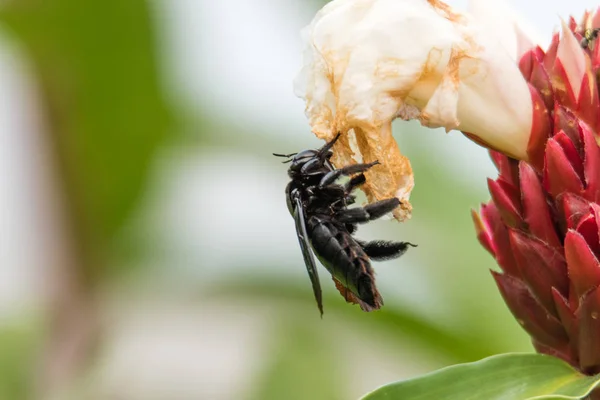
x=284, y=155
x=286, y=161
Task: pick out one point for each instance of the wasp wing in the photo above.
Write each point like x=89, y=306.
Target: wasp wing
x=309, y=260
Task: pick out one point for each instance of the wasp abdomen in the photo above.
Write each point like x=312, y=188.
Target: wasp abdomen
x=345, y=259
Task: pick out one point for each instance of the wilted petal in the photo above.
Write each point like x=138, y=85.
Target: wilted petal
x=368, y=62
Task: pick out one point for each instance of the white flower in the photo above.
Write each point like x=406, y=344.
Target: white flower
x=367, y=62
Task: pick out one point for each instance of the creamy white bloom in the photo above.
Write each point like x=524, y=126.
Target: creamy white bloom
x=504, y=25
x=367, y=62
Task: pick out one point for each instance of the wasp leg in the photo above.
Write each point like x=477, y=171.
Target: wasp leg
x=351, y=228
x=330, y=177
x=325, y=149
x=350, y=186
x=369, y=212
x=354, y=183
x=314, y=165
x=381, y=250
x=343, y=193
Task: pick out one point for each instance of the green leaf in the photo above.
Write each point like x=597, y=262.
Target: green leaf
x=506, y=377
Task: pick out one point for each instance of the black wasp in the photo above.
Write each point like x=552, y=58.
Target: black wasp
x=324, y=222
x=589, y=36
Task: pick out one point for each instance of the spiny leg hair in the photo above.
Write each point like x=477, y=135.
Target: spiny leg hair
x=381, y=250
x=369, y=212
x=354, y=183
x=330, y=177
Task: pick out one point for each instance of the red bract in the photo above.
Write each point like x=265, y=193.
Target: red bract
x=543, y=223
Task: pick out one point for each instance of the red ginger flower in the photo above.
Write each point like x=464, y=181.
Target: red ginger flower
x=368, y=62
x=543, y=222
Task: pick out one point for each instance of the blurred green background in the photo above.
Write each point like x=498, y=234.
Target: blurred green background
x=146, y=251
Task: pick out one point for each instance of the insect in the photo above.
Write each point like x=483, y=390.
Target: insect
x=325, y=224
x=589, y=36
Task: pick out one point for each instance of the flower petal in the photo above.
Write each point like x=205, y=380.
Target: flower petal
x=570, y=66
x=542, y=326
x=591, y=164
x=542, y=268
x=570, y=152
x=559, y=174
x=582, y=264
x=589, y=331
x=574, y=208
x=540, y=128
x=501, y=245
x=483, y=233
x=514, y=35
x=588, y=105
x=508, y=168
x=567, y=317
x=535, y=208
x=540, y=79
x=506, y=198
x=550, y=54
x=567, y=122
